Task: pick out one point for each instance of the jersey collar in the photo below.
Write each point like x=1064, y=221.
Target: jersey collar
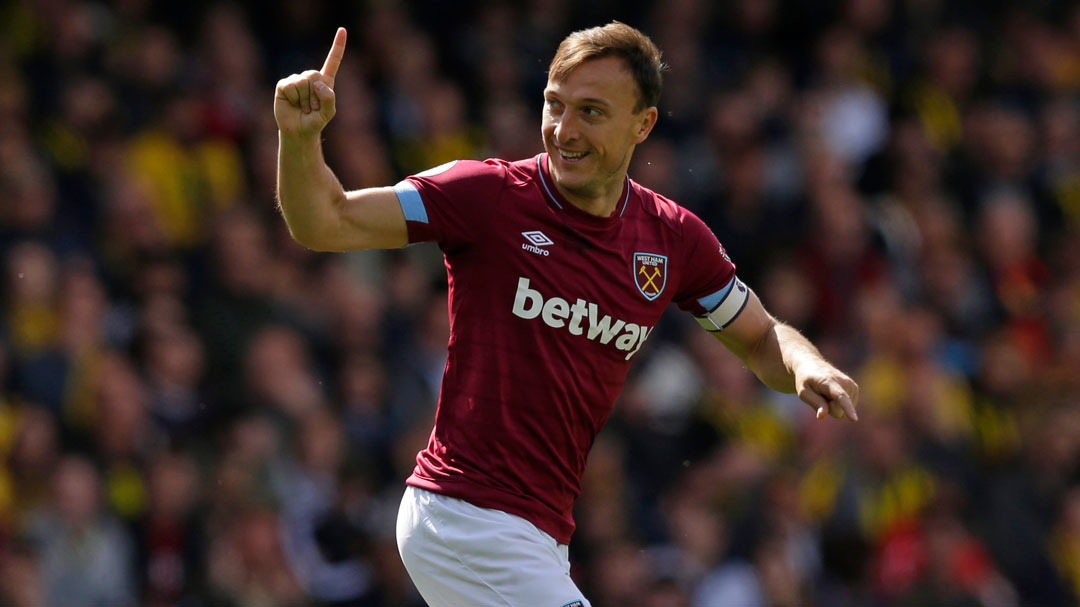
x=553, y=195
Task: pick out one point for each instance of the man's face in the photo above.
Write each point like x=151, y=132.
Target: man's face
x=590, y=127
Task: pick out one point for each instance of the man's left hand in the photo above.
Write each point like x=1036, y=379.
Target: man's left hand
x=828, y=390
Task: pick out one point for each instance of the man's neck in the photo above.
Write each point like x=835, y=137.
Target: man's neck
x=601, y=206
x=603, y=203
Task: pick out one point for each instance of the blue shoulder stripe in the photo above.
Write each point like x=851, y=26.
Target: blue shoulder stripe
x=711, y=302
x=411, y=202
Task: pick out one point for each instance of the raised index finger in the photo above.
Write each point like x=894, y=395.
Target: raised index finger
x=333, y=60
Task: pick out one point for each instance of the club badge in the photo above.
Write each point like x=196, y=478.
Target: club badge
x=650, y=274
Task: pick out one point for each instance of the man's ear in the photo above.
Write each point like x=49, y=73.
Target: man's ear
x=648, y=118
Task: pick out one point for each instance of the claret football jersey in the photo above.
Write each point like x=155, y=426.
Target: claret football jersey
x=549, y=305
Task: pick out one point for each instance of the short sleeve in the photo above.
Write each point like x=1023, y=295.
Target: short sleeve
x=709, y=288
x=451, y=203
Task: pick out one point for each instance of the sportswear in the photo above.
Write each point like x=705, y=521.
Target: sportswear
x=548, y=307
x=459, y=555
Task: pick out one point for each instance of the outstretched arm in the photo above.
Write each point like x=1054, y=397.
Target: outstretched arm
x=786, y=361
x=320, y=214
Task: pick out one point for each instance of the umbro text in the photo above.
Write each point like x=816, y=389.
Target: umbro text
x=535, y=249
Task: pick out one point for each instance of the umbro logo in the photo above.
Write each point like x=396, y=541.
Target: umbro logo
x=536, y=239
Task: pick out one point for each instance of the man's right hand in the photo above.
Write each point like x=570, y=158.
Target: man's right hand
x=304, y=103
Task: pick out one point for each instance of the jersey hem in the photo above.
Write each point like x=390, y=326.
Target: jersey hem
x=486, y=498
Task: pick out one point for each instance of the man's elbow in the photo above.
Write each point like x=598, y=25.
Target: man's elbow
x=331, y=241
x=312, y=232
x=307, y=238
x=312, y=238
x=320, y=243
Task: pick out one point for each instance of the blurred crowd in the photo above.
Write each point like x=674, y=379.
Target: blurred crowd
x=194, y=410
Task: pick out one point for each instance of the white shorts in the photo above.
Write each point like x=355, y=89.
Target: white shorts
x=461, y=555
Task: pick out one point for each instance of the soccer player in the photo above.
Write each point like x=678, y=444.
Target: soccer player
x=559, y=267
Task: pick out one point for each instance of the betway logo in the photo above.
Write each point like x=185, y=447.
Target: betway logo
x=557, y=313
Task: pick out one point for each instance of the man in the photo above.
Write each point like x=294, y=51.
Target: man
x=559, y=267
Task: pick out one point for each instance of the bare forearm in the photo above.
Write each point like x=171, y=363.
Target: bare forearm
x=786, y=361
x=777, y=355
x=309, y=194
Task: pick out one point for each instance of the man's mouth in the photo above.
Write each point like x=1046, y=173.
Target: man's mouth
x=572, y=157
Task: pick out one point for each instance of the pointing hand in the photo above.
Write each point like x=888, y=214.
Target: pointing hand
x=304, y=103
x=828, y=391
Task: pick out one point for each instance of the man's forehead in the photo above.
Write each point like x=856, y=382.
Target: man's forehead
x=600, y=79
x=566, y=94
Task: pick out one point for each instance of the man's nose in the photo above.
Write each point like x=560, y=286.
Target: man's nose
x=566, y=129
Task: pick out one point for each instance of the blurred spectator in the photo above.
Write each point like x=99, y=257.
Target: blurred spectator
x=33, y=315
x=170, y=539
x=190, y=175
x=279, y=376
x=853, y=114
x=238, y=302
x=31, y=457
x=247, y=565
x=20, y=576
x=321, y=546
x=85, y=555
x=174, y=364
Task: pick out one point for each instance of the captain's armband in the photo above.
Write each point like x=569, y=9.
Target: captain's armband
x=723, y=306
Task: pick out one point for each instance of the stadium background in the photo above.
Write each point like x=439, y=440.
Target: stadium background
x=196, y=411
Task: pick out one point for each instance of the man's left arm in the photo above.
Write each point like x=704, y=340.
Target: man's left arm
x=787, y=362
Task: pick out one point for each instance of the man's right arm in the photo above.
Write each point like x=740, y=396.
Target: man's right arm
x=320, y=214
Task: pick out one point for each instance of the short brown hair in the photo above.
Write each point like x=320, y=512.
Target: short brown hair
x=615, y=39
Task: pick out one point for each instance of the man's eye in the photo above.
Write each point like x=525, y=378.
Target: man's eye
x=592, y=112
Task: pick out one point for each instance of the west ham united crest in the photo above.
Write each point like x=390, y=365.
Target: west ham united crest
x=650, y=274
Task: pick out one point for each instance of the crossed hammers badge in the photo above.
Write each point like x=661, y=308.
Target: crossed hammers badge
x=650, y=274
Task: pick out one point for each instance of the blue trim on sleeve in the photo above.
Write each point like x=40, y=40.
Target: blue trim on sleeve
x=411, y=202
x=711, y=302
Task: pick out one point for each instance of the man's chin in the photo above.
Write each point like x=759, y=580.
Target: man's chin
x=574, y=188
x=567, y=179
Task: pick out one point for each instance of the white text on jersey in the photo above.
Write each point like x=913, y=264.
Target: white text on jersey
x=536, y=240
x=557, y=313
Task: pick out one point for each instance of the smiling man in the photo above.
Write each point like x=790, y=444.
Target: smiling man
x=559, y=267
x=595, y=111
